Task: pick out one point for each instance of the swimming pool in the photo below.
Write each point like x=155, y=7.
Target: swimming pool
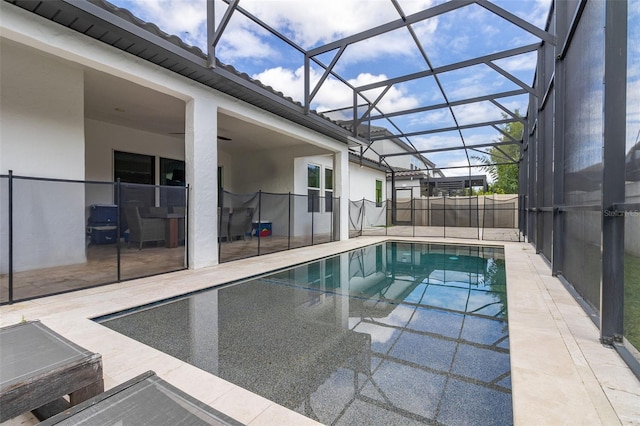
x=394, y=333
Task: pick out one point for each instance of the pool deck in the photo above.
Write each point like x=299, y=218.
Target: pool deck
x=561, y=374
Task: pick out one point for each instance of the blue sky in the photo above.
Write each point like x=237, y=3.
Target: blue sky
x=463, y=34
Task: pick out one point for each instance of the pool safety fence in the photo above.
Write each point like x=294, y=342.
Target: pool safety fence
x=262, y=222
x=60, y=235
x=489, y=218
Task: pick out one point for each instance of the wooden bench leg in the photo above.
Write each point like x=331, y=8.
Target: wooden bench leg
x=51, y=409
x=86, y=392
x=59, y=405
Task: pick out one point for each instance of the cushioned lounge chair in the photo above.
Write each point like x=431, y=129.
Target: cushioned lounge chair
x=145, y=399
x=38, y=367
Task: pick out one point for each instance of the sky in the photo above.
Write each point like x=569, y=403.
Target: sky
x=449, y=38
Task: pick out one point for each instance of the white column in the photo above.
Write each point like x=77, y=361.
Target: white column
x=201, y=154
x=341, y=171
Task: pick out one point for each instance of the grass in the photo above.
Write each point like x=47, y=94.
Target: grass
x=632, y=300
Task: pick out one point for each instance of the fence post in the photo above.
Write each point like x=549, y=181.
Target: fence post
x=119, y=198
x=362, y=218
x=220, y=209
x=444, y=216
x=413, y=215
x=259, y=218
x=332, y=231
x=10, y=205
x=386, y=217
x=289, y=225
x=313, y=208
x=186, y=226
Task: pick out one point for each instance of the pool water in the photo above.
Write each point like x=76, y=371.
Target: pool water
x=395, y=333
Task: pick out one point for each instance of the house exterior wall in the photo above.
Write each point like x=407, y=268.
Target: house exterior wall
x=402, y=161
x=42, y=134
x=362, y=183
x=269, y=170
x=57, y=80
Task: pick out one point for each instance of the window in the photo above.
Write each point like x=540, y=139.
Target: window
x=313, y=188
x=172, y=172
x=328, y=190
x=137, y=169
x=378, y=193
x=134, y=168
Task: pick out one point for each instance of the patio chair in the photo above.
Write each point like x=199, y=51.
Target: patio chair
x=240, y=223
x=145, y=399
x=144, y=229
x=223, y=218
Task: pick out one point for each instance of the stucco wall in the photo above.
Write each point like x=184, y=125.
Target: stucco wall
x=269, y=170
x=42, y=134
x=362, y=182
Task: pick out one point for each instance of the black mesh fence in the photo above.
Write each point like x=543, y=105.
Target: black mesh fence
x=63, y=235
x=261, y=223
x=356, y=217
x=475, y=217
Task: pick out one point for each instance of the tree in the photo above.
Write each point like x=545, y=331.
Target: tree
x=504, y=176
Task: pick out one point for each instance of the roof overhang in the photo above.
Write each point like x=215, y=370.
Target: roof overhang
x=120, y=29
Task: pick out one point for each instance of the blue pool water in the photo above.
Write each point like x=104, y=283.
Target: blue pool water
x=395, y=333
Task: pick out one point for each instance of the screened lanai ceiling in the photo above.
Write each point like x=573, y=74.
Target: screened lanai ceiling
x=442, y=77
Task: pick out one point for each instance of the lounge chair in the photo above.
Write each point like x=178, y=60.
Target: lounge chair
x=144, y=229
x=145, y=399
x=38, y=367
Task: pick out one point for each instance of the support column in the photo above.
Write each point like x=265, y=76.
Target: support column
x=540, y=148
x=201, y=154
x=557, y=245
x=613, y=179
x=341, y=189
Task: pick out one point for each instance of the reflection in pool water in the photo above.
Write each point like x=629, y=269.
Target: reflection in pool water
x=396, y=333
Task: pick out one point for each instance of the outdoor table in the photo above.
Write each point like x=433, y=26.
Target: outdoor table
x=38, y=367
x=172, y=228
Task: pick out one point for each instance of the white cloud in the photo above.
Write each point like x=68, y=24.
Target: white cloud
x=240, y=43
x=489, y=30
x=524, y=62
x=460, y=43
x=333, y=93
x=332, y=19
x=185, y=18
x=540, y=12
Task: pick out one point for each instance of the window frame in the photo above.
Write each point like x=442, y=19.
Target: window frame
x=378, y=193
x=328, y=191
x=313, y=192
